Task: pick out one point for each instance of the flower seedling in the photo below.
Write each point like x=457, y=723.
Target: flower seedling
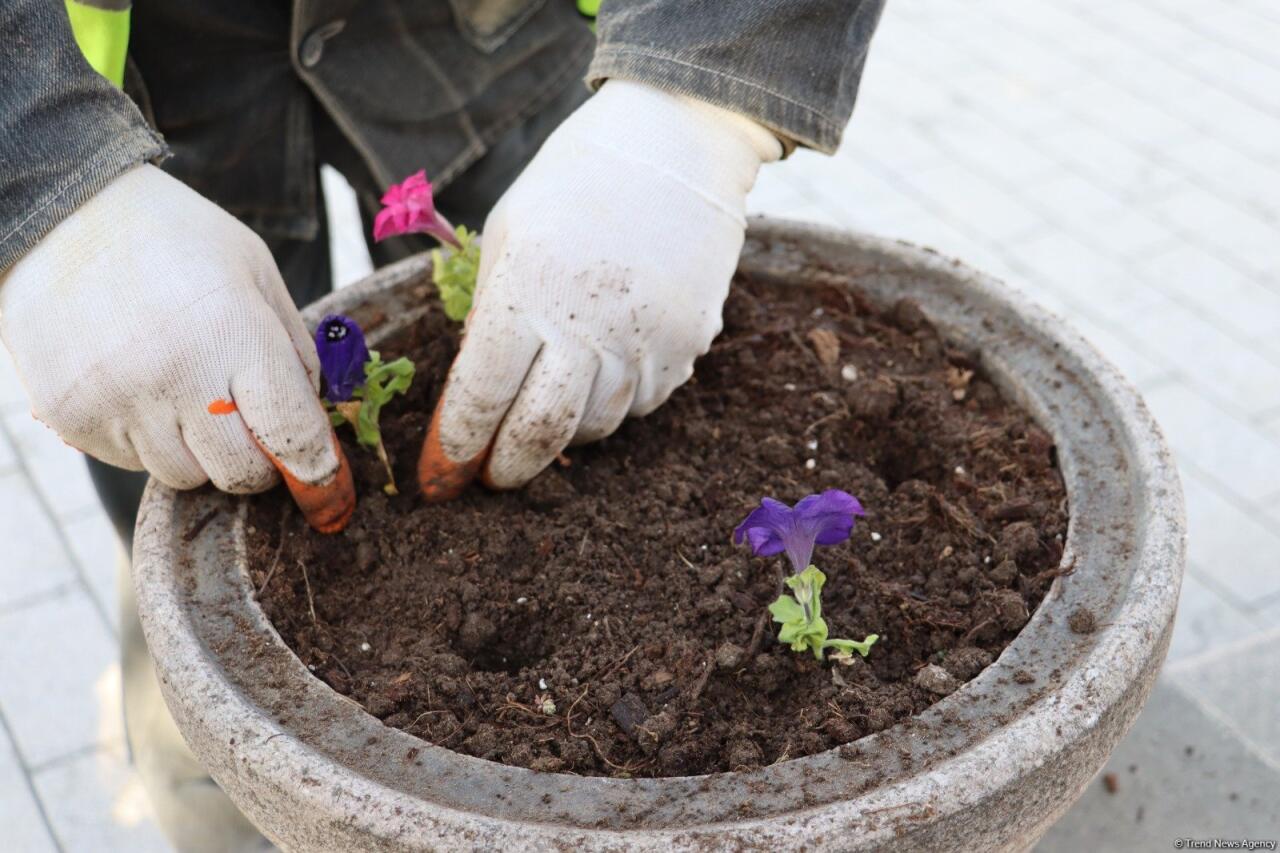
x=358, y=383
x=774, y=528
x=409, y=208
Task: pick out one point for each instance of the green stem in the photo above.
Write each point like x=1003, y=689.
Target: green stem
x=390, y=487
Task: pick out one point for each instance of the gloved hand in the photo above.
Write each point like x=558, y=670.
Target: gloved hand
x=604, y=270
x=152, y=330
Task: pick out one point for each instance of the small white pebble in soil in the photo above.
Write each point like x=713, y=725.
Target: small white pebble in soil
x=959, y=470
x=542, y=684
x=790, y=386
x=588, y=617
x=875, y=537
x=364, y=647
x=311, y=667
x=986, y=561
x=812, y=444
x=1058, y=537
x=522, y=600
x=704, y=547
x=849, y=373
x=819, y=311
x=810, y=464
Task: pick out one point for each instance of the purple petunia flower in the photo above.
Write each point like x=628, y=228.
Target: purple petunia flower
x=343, y=353
x=774, y=527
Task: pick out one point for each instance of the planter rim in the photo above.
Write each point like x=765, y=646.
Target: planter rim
x=271, y=733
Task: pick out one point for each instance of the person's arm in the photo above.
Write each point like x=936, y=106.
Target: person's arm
x=606, y=265
x=150, y=328
x=65, y=130
x=791, y=65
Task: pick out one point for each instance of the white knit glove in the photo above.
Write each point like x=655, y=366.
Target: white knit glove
x=152, y=330
x=603, y=274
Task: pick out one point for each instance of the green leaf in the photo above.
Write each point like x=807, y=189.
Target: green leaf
x=454, y=271
x=382, y=381
x=848, y=647
x=336, y=419
x=801, y=616
x=808, y=589
x=787, y=609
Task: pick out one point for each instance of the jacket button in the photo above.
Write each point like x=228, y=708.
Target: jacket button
x=311, y=50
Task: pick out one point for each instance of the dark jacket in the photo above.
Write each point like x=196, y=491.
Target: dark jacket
x=238, y=90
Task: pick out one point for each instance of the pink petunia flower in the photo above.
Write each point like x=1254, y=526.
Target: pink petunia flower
x=409, y=208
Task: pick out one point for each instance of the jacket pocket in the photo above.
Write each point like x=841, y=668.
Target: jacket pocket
x=488, y=24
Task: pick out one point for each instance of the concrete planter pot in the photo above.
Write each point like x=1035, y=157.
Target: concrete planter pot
x=991, y=766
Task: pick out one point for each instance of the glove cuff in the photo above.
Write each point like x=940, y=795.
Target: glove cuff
x=707, y=148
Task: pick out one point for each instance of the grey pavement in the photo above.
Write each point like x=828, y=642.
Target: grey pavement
x=1117, y=162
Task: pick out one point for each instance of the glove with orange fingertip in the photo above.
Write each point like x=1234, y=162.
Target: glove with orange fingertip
x=152, y=330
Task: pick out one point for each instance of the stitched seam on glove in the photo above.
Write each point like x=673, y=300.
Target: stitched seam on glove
x=660, y=168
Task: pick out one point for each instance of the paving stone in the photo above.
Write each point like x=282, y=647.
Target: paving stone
x=96, y=803
x=8, y=458
x=1228, y=298
x=1103, y=102
x=1252, y=130
x=1247, y=241
x=1230, y=26
x=1226, y=367
x=1234, y=72
x=1224, y=168
x=1137, y=21
x=35, y=561
x=1099, y=217
x=1179, y=773
x=1234, y=547
x=1084, y=276
x=1240, y=682
x=886, y=140
x=972, y=203
x=1207, y=621
x=1018, y=100
x=990, y=149
x=1237, y=454
x=910, y=45
x=863, y=195
x=24, y=827
x=1141, y=369
x=95, y=546
x=12, y=394
x=60, y=686
x=1108, y=163
x=58, y=470
x=774, y=190
x=1269, y=612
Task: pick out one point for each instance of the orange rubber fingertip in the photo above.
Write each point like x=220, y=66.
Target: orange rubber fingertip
x=328, y=507
x=441, y=479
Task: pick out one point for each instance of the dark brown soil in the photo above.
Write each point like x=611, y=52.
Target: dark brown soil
x=601, y=621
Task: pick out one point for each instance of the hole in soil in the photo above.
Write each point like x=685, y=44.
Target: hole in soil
x=499, y=658
x=515, y=646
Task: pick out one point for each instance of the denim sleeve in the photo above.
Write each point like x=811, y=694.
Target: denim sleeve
x=792, y=65
x=65, y=131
